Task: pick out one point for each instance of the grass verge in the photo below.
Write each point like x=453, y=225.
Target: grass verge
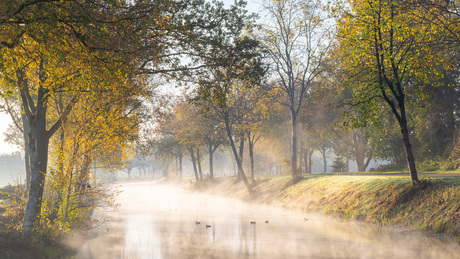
x=42, y=245
x=433, y=205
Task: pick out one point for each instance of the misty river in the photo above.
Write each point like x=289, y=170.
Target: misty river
x=158, y=221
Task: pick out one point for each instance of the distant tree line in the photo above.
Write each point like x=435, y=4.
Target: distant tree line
x=363, y=80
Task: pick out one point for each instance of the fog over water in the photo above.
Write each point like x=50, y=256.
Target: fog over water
x=158, y=221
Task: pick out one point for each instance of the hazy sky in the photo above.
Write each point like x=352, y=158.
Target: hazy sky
x=5, y=120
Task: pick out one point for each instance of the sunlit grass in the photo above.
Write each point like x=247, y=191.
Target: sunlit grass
x=433, y=205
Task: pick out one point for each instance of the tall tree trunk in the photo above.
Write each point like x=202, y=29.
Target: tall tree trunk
x=360, y=162
x=396, y=88
x=251, y=158
x=195, y=169
x=306, y=160
x=211, y=165
x=38, y=152
x=301, y=156
x=359, y=142
x=235, y=153
x=324, y=161
x=409, y=153
x=198, y=161
x=347, y=161
x=241, y=148
x=177, y=163
x=241, y=151
x=84, y=172
x=180, y=165
x=294, y=171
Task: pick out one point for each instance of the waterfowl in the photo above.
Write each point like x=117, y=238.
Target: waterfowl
x=266, y=221
x=197, y=222
x=208, y=226
x=253, y=222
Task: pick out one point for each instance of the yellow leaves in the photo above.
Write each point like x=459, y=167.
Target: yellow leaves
x=401, y=35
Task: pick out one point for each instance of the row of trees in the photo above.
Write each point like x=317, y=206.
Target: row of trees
x=75, y=76
x=349, y=82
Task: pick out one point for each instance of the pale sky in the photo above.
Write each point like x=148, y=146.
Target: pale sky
x=5, y=148
x=5, y=119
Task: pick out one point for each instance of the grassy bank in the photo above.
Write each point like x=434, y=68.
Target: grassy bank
x=433, y=206
x=44, y=244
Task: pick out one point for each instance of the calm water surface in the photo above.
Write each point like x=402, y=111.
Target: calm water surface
x=157, y=221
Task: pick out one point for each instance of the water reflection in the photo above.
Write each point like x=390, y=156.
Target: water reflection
x=157, y=221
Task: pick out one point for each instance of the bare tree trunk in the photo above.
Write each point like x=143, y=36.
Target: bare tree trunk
x=198, y=161
x=241, y=148
x=359, y=142
x=306, y=160
x=195, y=169
x=235, y=153
x=301, y=156
x=409, y=154
x=241, y=152
x=177, y=163
x=251, y=158
x=180, y=166
x=324, y=161
x=294, y=170
x=38, y=152
x=347, y=161
x=211, y=165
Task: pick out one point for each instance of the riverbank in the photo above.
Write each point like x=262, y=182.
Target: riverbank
x=11, y=244
x=433, y=206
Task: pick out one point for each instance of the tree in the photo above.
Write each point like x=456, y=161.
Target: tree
x=166, y=143
x=338, y=165
x=356, y=144
x=234, y=59
x=190, y=133
x=260, y=109
x=53, y=47
x=214, y=135
x=384, y=44
x=297, y=43
x=444, y=15
x=50, y=47
x=96, y=131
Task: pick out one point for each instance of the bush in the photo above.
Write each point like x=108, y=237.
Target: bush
x=386, y=168
x=429, y=165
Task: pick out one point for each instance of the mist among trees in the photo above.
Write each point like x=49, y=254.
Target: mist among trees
x=309, y=87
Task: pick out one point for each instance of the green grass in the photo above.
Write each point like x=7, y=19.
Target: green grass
x=433, y=205
x=420, y=173
x=11, y=244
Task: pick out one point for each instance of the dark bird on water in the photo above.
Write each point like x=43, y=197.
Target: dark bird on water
x=208, y=226
x=253, y=222
x=197, y=222
x=266, y=221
